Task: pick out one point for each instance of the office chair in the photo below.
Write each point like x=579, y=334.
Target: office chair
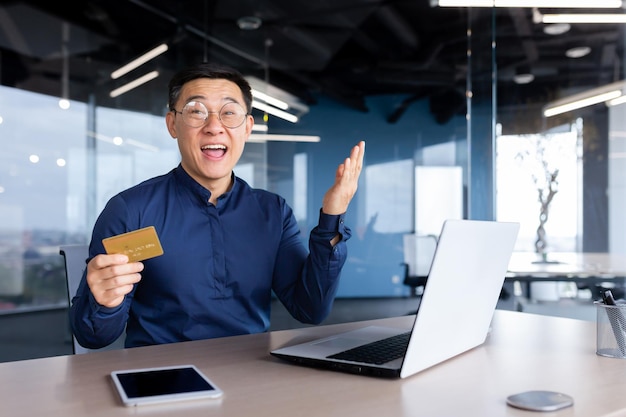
x=75, y=257
x=419, y=251
x=418, y=256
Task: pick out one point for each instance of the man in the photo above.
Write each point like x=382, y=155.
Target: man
x=226, y=245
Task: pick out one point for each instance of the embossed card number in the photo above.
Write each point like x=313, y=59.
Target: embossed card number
x=138, y=245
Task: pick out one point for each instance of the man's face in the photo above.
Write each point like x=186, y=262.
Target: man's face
x=209, y=152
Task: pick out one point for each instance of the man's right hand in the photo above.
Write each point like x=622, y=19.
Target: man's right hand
x=111, y=277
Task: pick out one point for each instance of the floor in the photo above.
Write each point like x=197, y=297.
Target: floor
x=46, y=333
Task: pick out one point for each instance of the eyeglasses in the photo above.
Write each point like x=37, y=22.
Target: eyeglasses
x=195, y=114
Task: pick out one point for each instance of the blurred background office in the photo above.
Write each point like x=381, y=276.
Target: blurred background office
x=468, y=112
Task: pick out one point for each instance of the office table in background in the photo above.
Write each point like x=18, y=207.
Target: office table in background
x=585, y=269
x=580, y=267
x=523, y=352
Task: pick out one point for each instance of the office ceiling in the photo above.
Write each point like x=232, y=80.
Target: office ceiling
x=348, y=50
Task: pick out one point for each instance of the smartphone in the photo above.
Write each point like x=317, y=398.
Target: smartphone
x=540, y=400
x=163, y=384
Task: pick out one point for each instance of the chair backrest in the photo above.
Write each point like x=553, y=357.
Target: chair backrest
x=419, y=251
x=75, y=257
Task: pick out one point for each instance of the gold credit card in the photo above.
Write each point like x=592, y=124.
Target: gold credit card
x=138, y=245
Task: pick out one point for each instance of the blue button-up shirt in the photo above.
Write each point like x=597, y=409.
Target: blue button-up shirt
x=219, y=267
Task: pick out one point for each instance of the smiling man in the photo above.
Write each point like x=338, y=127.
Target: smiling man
x=226, y=246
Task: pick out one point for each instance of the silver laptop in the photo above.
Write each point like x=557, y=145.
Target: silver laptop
x=454, y=314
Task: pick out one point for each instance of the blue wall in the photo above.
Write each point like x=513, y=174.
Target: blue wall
x=374, y=266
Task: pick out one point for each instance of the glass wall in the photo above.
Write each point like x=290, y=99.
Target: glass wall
x=63, y=165
x=57, y=175
x=539, y=184
x=559, y=143
x=496, y=159
x=43, y=191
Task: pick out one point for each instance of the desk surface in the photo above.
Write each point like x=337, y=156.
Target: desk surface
x=567, y=266
x=523, y=352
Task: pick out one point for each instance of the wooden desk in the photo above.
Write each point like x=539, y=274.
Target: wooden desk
x=524, y=352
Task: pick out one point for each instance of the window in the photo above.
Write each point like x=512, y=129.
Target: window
x=528, y=166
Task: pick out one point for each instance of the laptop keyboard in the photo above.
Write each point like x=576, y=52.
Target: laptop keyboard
x=379, y=352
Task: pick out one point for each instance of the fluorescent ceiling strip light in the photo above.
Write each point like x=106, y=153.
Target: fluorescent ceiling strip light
x=276, y=112
x=118, y=141
x=139, y=61
x=134, y=84
x=583, y=102
x=141, y=145
x=583, y=18
x=617, y=134
x=283, y=138
x=262, y=90
x=269, y=99
x=585, y=98
x=616, y=101
x=608, y=4
x=259, y=128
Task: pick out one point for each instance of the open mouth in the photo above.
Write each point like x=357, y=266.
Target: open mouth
x=215, y=151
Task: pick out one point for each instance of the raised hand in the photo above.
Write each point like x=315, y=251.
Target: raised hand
x=338, y=197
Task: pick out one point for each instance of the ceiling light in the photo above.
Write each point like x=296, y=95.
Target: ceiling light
x=134, y=84
x=523, y=75
x=64, y=104
x=249, y=23
x=259, y=127
x=529, y=3
x=118, y=141
x=139, y=61
x=523, y=78
x=556, y=28
x=578, y=52
x=616, y=101
x=583, y=18
x=283, y=138
x=275, y=111
x=579, y=104
x=272, y=100
x=587, y=98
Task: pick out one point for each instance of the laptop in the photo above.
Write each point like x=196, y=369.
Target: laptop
x=453, y=315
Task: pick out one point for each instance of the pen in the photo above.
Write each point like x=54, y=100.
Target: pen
x=618, y=323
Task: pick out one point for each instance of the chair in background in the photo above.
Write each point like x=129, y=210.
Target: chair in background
x=419, y=251
x=75, y=257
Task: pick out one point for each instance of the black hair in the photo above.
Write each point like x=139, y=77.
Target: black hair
x=212, y=71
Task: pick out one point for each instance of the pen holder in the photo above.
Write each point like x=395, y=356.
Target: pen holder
x=611, y=330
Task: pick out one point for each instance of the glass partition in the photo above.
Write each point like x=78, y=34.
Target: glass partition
x=480, y=151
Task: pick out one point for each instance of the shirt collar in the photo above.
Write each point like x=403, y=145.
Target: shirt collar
x=188, y=182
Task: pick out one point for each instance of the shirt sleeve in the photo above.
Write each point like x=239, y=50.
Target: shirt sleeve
x=93, y=325
x=308, y=293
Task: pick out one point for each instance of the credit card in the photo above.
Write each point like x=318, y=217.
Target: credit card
x=138, y=245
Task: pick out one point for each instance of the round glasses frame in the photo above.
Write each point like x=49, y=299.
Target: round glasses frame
x=195, y=114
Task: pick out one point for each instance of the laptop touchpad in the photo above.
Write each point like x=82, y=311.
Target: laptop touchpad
x=340, y=343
